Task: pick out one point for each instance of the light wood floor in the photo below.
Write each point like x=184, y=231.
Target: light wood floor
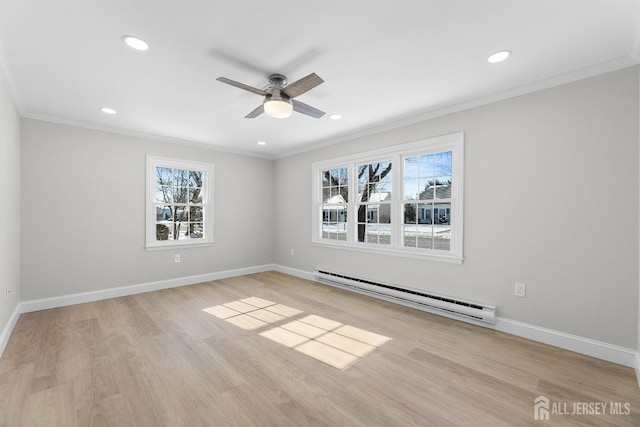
x=186, y=357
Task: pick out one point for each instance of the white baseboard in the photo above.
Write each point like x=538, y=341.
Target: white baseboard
x=294, y=272
x=8, y=328
x=600, y=350
x=79, y=298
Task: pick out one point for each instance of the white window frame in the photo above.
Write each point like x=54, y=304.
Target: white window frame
x=154, y=162
x=397, y=154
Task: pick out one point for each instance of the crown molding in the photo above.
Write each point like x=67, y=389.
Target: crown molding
x=558, y=80
x=143, y=135
x=6, y=76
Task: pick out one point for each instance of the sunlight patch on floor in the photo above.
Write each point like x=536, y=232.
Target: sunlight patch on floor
x=326, y=340
x=245, y=322
x=284, y=337
x=252, y=313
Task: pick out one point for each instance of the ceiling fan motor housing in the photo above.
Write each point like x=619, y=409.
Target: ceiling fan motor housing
x=278, y=80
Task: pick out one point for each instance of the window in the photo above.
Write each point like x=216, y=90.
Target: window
x=427, y=201
x=335, y=193
x=374, y=202
x=405, y=200
x=179, y=208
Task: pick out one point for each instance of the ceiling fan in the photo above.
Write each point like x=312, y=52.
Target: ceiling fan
x=278, y=96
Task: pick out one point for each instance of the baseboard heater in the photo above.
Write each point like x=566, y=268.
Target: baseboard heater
x=438, y=304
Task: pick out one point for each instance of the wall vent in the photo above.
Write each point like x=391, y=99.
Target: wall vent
x=447, y=306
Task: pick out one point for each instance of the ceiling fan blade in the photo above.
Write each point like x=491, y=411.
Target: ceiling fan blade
x=255, y=113
x=308, y=110
x=303, y=85
x=242, y=86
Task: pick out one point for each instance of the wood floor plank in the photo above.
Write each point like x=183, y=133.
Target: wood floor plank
x=171, y=358
x=14, y=388
x=49, y=407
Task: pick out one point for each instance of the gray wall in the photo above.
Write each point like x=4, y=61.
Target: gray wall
x=83, y=213
x=551, y=200
x=9, y=206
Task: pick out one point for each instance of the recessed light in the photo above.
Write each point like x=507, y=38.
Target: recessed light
x=262, y=143
x=335, y=116
x=135, y=42
x=108, y=110
x=499, y=56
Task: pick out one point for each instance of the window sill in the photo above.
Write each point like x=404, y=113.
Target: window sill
x=177, y=245
x=429, y=256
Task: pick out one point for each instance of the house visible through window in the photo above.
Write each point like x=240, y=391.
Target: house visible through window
x=178, y=203
x=427, y=201
x=405, y=200
x=335, y=194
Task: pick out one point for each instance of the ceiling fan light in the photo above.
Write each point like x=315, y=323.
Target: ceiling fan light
x=278, y=109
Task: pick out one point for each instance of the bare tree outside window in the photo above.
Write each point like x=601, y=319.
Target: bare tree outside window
x=178, y=204
x=374, y=213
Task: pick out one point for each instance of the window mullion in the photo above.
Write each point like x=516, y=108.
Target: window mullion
x=396, y=200
x=352, y=204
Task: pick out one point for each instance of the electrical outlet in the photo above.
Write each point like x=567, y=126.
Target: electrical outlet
x=520, y=290
x=176, y=258
x=292, y=252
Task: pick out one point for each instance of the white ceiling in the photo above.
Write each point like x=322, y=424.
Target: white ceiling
x=383, y=62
